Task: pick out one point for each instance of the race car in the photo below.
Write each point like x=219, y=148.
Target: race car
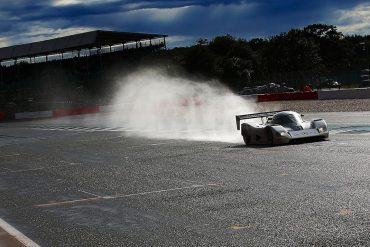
x=280, y=127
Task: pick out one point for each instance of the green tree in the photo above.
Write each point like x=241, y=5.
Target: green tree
x=234, y=62
x=200, y=59
x=330, y=44
x=289, y=53
x=323, y=31
x=221, y=45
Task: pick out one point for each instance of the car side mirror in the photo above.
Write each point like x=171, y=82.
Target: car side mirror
x=302, y=115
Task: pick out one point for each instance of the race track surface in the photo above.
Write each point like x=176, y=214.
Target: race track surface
x=64, y=182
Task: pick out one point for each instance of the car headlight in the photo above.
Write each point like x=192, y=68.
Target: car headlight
x=322, y=129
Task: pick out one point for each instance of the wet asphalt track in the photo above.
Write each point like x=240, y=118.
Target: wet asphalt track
x=67, y=183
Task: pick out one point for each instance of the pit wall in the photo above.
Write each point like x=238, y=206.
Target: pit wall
x=358, y=93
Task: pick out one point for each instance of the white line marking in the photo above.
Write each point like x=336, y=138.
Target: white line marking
x=68, y=162
x=182, y=181
x=120, y=196
x=17, y=234
x=153, y=192
x=89, y=193
x=37, y=168
x=7, y=169
x=155, y=144
x=9, y=155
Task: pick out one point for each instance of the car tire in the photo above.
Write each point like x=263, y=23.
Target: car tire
x=270, y=137
x=244, y=132
x=246, y=138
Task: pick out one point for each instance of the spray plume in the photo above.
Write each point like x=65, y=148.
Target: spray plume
x=152, y=104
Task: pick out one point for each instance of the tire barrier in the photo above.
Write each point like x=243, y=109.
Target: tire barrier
x=287, y=96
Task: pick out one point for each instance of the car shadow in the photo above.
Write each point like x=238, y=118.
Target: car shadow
x=251, y=146
x=295, y=142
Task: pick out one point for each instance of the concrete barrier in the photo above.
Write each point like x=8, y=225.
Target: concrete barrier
x=55, y=113
x=356, y=93
x=33, y=115
x=116, y=107
x=106, y=108
x=252, y=97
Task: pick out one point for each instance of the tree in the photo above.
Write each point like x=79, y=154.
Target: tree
x=329, y=42
x=235, y=61
x=200, y=59
x=291, y=52
x=222, y=44
x=323, y=31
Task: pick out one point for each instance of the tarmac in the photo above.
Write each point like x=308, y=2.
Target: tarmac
x=70, y=182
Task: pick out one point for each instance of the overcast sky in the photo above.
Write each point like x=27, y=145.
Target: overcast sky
x=185, y=21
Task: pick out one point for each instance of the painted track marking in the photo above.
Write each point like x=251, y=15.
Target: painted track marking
x=89, y=193
x=37, y=168
x=17, y=234
x=154, y=144
x=9, y=155
x=120, y=196
x=182, y=181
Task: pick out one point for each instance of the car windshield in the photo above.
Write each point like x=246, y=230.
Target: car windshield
x=286, y=119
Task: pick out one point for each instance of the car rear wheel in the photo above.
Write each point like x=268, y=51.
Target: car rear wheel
x=246, y=138
x=270, y=137
x=245, y=134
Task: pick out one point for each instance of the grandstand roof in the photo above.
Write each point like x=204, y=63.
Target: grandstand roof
x=91, y=39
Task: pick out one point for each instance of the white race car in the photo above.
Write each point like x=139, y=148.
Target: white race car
x=280, y=127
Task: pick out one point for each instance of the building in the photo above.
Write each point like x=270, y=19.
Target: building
x=77, y=69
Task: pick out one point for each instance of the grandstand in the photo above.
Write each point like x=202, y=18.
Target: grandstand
x=69, y=71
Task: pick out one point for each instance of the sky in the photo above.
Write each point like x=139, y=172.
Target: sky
x=185, y=21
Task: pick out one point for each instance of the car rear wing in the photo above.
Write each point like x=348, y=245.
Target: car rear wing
x=254, y=115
